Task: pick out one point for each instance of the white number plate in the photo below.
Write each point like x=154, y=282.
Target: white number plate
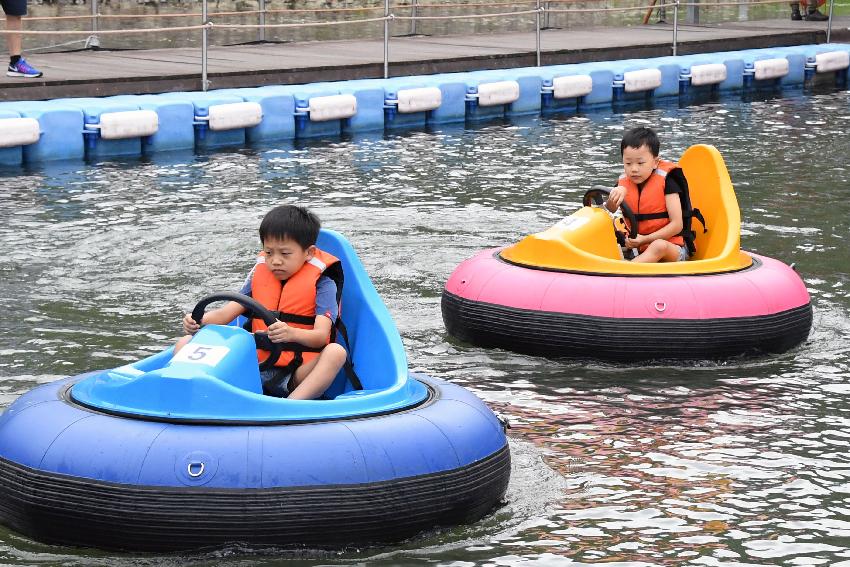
x=201, y=354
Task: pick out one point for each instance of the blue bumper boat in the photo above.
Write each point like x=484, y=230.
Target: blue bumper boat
x=174, y=453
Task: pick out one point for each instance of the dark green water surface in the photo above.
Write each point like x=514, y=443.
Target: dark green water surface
x=742, y=463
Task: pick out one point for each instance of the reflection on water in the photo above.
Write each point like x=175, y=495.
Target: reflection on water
x=739, y=463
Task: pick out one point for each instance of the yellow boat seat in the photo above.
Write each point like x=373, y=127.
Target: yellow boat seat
x=585, y=241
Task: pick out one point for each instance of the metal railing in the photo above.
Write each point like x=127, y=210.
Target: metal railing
x=541, y=10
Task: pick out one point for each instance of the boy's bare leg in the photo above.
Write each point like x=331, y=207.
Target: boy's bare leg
x=311, y=379
x=13, y=40
x=659, y=250
x=181, y=343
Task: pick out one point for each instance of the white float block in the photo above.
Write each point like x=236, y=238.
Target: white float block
x=18, y=132
x=770, y=68
x=572, y=86
x=127, y=124
x=642, y=80
x=235, y=115
x=708, y=74
x=333, y=107
x=500, y=92
x=832, y=61
x=419, y=100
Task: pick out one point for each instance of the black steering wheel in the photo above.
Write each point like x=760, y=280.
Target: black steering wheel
x=253, y=309
x=598, y=194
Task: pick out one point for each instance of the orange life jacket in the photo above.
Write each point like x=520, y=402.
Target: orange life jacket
x=294, y=298
x=649, y=203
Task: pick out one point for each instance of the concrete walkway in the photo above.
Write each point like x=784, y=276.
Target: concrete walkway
x=102, y=73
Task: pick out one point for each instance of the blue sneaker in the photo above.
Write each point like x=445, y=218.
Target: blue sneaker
x=23, y=69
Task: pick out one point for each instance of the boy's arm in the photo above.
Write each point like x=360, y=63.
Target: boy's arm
x=221, y=316
x=224, y=314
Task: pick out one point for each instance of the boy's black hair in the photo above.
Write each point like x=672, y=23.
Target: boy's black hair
x=641, y=136
x=292, y=222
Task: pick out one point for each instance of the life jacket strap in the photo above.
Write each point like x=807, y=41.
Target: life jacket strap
x=651, y=216
x=688, y=232
x=291, y=318
x=697, y=214
x=348, y=365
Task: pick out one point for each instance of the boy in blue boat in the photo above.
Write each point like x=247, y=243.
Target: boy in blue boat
x=298, y=281
x=653, y=188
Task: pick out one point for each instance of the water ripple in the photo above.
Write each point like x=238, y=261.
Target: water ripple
x=740, y=463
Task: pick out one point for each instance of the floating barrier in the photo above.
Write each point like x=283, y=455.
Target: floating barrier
x=705, y=74
x=175, y=130
x=220, y=119
x=120, y=116
x=16, y=132
x=61, y=128
x=489, y=99
x=574, y=94
x=125, y=125
x=831, y=61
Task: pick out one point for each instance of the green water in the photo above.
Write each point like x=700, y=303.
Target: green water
x=743, y=463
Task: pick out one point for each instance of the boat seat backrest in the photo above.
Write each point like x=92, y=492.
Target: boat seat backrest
x=712, y=193
x=376, y=348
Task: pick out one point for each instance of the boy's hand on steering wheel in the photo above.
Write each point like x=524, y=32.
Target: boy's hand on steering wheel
x=280, y=332
x=635, y=242
x=615, y=198
x=190, y=326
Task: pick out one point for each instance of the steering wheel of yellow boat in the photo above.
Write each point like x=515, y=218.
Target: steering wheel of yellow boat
x=598, y=194
x=253, y=309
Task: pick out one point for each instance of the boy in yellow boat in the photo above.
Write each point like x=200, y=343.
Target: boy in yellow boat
x=652, y=188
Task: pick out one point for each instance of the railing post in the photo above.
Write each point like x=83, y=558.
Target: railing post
x=93, y=41
x=546, y=21
x=829, y=23
x=693, y=12
x=537, y=31
x=743, y=12
x=386, y=38
x=675, y=26
x=204, y=32
x=413, y=11
x=261, y=19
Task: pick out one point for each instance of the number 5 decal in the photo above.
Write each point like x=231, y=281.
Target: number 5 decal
x=208, y=355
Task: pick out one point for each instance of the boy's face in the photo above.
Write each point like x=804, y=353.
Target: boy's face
x=639, y=163
x=284, y=256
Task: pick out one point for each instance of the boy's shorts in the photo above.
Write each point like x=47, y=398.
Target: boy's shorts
x=14, y=7
x=683, y=253
x=275, y=383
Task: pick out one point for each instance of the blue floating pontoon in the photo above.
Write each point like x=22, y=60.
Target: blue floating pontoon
x=181, y=452
x=148, y=124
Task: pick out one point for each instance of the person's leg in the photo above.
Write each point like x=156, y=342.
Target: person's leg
x=311, y=379
x=181, y=343
x=18, y=67
x=812, y=13
x=13, y=40
x=659, y=251
x=795, y=11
